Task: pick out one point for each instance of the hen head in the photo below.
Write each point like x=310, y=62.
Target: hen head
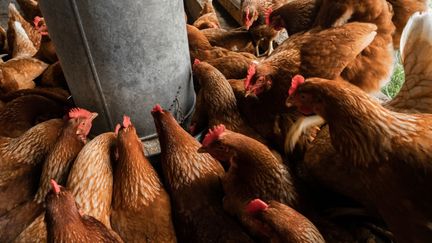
x=81, y=120
x=213, y=144
x=249, y=16
x=40, y=25
x=60, y=204
x=305, y=96
x=274, y=20
x=258, y=80
x=126, y=129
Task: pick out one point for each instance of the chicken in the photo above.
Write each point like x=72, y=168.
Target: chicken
x=46, y=51
x=281, y=223
x=207, y=18
x=308, y=54
x=193, y=182
x=197, y=40
x=200, y=47
x=67, y=147
x=57, y=165
x=231, y=64
x=19, y=73
x=373, y=67
x=402, y=10
x=416, y=49
x=253, y=172
x=416, y=52
x=19, y=157
x=141, y=208
x=66, y=224
x=294, y=16
x=216, y=103
x=24, y=112
x=395, y=160
x=32, y=33
x=414, y=97
x=233, y=40
x=90, y=179
x=30, y=9
x=53, y=76
x=253, y=18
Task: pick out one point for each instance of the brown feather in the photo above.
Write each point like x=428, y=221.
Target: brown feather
x=141, y=207
x=19, y=158
x=65, y=224
x=22, y=113
x=390, y=153
x=192, y=179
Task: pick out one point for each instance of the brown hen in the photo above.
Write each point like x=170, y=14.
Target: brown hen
x=253, y=172
x=90, y=179
x=281, y=223
x=141, y=209
x=270, y=79
x=390, y=152
x=65, y=223
x=207, y=18
x=373, y=67
x=57, y=165
x=295, y=16
x=193, y=183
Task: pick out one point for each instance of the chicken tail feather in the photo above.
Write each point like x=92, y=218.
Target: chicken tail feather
x=298, y=128
x=416, y=51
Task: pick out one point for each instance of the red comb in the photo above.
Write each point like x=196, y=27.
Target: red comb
x=295, y=82
x=256, y=206
x=55, y=186
x=79, y=112
x=117, y=129
x=213, y=134
x=248, y=20
x=157, y=108
x=36, y=21
x=126, y=121
x=267, y=16
x=196, y=61
x=247, y=14
x=250, y=73
x=41, y=29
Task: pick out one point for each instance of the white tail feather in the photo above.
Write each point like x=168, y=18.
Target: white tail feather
x=416, y=55
x=12, y=8
x=298, y=128
x=20, y=30
x=419, y=27
x=22, y=45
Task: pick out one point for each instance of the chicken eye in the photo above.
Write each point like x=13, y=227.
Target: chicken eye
x=302, y=96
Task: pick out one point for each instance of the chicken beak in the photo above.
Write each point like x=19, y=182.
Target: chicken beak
x=202, y=150
x=93, y=116
x=289, y=102
x=249, y=93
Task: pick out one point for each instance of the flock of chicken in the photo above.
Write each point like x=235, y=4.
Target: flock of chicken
x=298, y=150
